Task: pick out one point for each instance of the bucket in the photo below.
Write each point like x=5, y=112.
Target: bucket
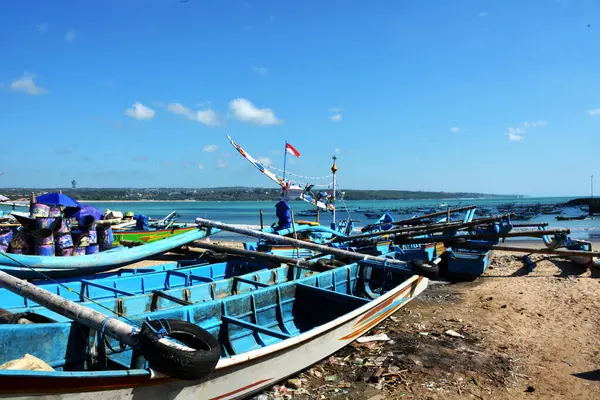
x=6, y=237
x=92, y=234
x=39, y=210
x=65, y=227
x=105, y=236
x=78, y=251
x=54, y=212
x=44, y=222
x=66, y=252
x=64, y=241
x=46, y=250
x=44, y=241
x=92, y=249
x=80, y=238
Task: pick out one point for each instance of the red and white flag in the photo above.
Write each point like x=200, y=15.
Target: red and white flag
x=290, y=149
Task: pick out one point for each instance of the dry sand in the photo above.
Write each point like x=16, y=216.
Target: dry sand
x=525, y=336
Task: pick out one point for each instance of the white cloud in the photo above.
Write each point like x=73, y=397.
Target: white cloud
x=265, y=161
x=534, y=124
x=244, y=110
x=26, y=84
x=140, y=112
x=180, y=109
x=42, y=28
x=221, y=163
x=200, y=166
x=336, y=118
x=514, y=137
x=210, y=148
x=515, y=134
x=483, y=14
x=70, y=35
x=594, y=113
x=261, y=70
x=207, y=117
x=456, y=129
x=338, y=150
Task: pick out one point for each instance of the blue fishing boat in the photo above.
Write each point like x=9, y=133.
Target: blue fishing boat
x=140, y=293
x=252, y=340
x=28, y=266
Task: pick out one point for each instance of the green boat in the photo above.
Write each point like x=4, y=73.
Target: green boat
x=150, y=235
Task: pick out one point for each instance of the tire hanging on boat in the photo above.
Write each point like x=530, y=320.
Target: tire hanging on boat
x=427, y=269
x=177, y=363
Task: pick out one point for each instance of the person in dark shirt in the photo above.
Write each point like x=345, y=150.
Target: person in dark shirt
x=283, y=214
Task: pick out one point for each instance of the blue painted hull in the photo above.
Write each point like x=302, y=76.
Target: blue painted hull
x=252, y=328
x=26, y=266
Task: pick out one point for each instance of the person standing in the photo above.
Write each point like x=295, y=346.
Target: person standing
x=283, y=213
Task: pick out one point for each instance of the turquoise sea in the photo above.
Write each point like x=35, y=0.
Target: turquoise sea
x=247, y=212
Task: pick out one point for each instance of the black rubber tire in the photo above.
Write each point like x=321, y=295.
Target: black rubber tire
x=178, y=363
x=425, y=268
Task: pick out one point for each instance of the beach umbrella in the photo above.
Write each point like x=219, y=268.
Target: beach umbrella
x=57, y=199
x=87, y=210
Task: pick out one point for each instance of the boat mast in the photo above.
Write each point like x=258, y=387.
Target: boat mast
x=333, y=171
x=284, y=159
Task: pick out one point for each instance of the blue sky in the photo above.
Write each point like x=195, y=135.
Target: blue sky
x=483, y=96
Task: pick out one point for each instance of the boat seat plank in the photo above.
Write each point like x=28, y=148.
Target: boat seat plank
x=244, y=280
x=254, y=327
x=107, y=288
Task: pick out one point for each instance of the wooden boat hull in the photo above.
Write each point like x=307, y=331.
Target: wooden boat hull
x=235, y=377
x=149, y=236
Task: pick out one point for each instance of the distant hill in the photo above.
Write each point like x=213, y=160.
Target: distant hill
x=233, y=194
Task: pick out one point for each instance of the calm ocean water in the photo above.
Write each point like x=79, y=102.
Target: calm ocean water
x=247, y=212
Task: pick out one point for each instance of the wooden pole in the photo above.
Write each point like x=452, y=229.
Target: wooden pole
x=532, y=225
x=95, y=320
x=318, y=215
x=261, y=220
x=300, y=243
x=566, y=253
x=196, y=246
x=426, y=228
x=295, y=234
x=413, y=219
x=410, y=239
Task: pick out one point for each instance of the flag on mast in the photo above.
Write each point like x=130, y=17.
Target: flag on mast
x=291, y=150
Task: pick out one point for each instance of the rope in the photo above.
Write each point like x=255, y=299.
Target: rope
x=299, y=176
x=72, y=291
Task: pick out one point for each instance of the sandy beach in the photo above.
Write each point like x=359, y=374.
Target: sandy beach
x=518, y=336
x=506, y=335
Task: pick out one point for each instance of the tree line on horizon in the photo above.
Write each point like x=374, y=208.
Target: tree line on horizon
x=229, y=194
